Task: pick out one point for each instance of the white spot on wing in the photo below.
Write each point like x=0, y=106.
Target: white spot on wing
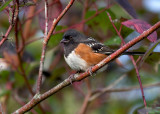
x=91, y=39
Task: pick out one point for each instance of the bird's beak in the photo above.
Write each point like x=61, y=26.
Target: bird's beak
x=64, y=41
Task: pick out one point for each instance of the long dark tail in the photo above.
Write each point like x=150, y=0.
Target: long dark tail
x=133, y=53
x=127, y=53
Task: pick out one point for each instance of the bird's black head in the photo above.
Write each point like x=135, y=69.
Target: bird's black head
x=71, y=39
x=72, y=36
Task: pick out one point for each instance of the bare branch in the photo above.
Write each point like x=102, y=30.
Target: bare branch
x=46, y=18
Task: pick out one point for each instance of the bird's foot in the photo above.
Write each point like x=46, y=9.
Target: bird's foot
x=90, y=71
x=71, y=78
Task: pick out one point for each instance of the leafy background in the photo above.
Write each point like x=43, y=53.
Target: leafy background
x=13, y=90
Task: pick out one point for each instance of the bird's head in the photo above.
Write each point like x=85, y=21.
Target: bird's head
x=72, y=36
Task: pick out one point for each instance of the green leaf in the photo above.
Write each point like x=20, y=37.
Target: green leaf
x=4, y=76
x=5, y=5
x=113, y=41
x=126, y=31
x=100, y=22
x=19, y=80
x=55, y=39
x=119, y=12
x=34, y=49
x=4, y=92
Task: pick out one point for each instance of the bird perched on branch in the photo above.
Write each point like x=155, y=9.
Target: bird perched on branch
x=82, y=52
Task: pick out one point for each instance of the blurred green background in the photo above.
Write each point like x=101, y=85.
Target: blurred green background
x=89, y=17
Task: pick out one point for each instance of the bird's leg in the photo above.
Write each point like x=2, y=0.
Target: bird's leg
x=90, y=70
x=72, y=75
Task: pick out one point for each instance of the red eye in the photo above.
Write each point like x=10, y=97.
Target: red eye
x=70, y=37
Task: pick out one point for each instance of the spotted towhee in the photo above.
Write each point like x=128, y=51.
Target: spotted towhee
x=82, y=52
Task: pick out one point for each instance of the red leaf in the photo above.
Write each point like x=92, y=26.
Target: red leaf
x=140, y=26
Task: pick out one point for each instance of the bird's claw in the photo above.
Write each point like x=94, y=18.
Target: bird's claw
x=90, y=71
x=70, y=78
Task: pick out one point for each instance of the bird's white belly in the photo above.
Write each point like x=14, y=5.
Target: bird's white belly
x=76, y=62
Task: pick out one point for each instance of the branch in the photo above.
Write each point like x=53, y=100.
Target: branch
x=27, y=25
x=127, y=89
x=104, y=90
x=4, y=38
x=1, y=109
x=17, y=48
x=40, y=97
x=46, y=18
x=85, y=104
x=45, y=42
x=139, y=80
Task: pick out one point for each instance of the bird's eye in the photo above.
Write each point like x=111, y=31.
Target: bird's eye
x=69, y=37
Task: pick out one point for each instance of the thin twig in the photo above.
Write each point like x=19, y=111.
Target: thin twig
x=84, y=12
x=106, y=88
x=1, y=109
x=115, y=28
x=139, y=80
x=17, y=48
x=129, y=88
x=5, y=37
x=85, y=104
x=46, y=18
x=27, y=24
x=20, y=50
x=20, y=101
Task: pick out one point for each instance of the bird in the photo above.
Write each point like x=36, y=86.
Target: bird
x=82, y=52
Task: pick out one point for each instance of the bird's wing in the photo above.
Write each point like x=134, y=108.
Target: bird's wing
x=98, y=47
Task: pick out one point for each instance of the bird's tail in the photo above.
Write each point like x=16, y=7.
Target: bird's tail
x=133, y=53
x=126, y=53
